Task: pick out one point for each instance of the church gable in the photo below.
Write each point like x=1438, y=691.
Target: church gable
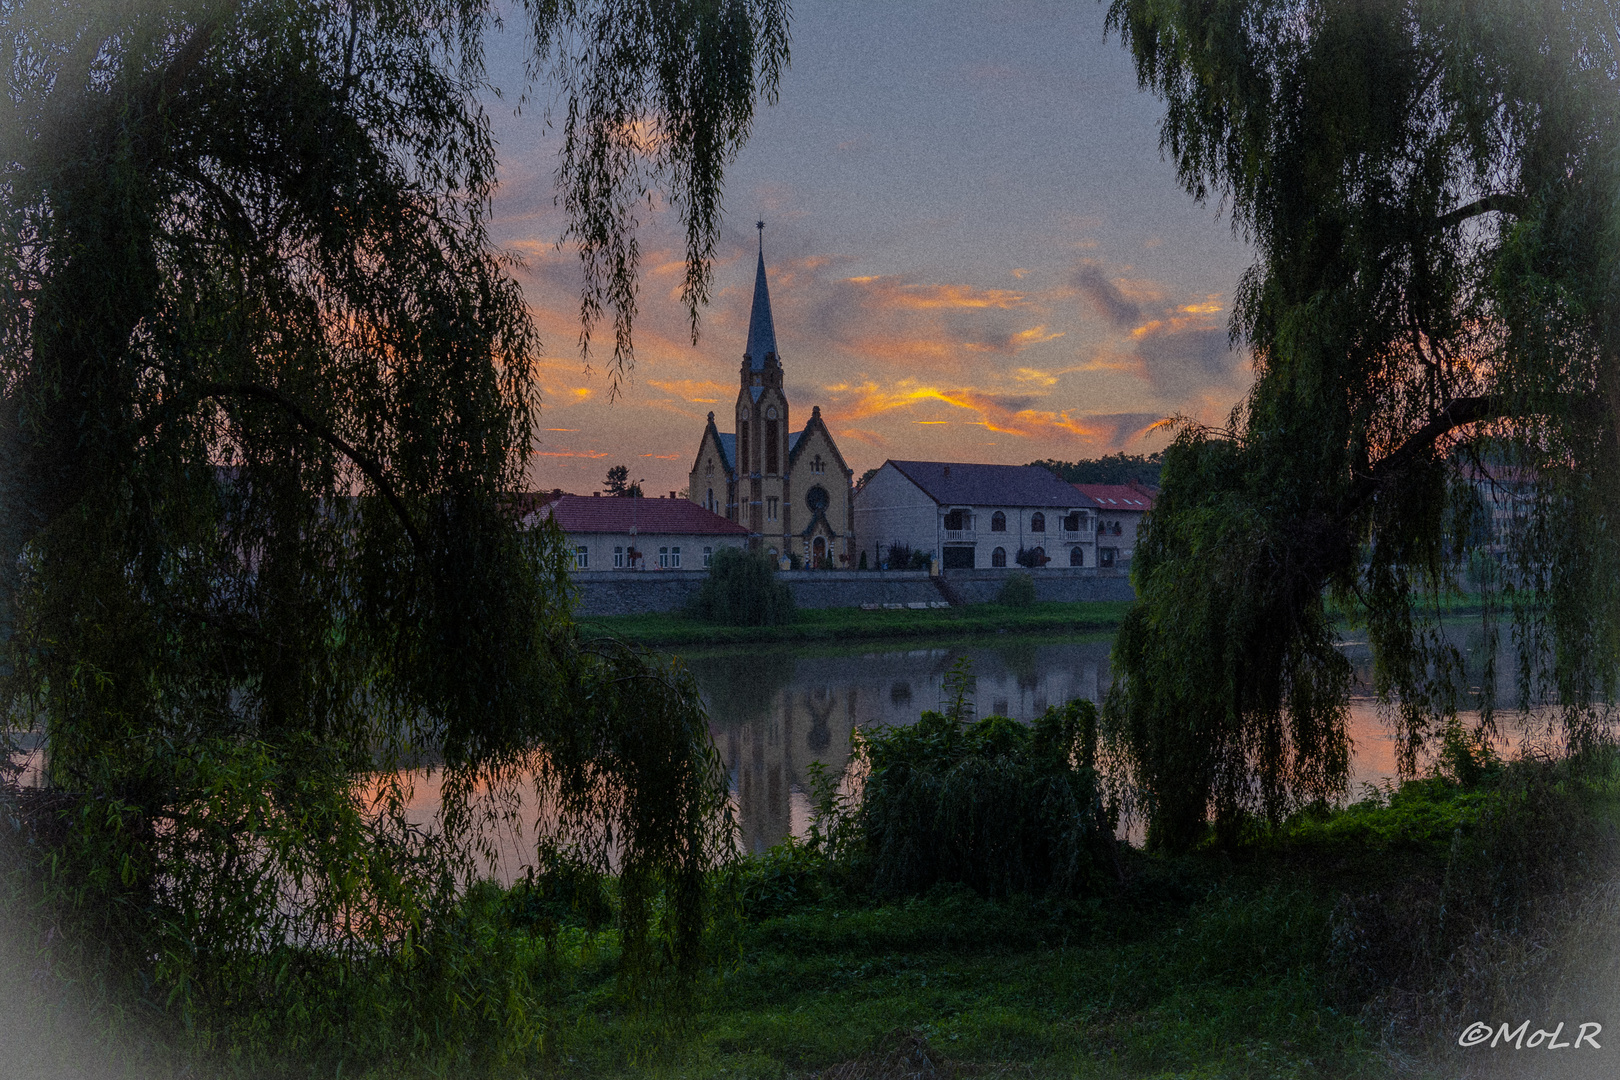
x=816, y=442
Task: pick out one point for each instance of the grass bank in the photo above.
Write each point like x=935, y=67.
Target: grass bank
x=850, y=624
x=1351, y=943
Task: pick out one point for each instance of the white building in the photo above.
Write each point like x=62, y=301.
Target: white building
x=640, y=534
x=976, y=516
x=1120, y=509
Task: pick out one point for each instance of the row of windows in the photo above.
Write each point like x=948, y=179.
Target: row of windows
x=669, y=558
x=1077, y=556
x=1037, y=522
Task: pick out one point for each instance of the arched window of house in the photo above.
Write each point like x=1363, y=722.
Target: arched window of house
x=998, y=557
x=710, y=503
x=1077, y=556
x=1037, y=522
x=998, y=523
x=1038, y=557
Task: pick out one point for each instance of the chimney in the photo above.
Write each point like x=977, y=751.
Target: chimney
x=596, y=493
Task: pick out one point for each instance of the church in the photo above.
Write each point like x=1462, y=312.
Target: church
x=790, y=489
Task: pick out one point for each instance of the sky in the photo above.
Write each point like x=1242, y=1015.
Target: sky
x=976, y=252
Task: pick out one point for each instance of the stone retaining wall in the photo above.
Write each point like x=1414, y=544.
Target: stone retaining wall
x=624, y=592
x=1069, y=584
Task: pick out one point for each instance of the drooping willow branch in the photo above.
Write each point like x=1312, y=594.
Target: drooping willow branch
x=1457, y=413
x=366, y=464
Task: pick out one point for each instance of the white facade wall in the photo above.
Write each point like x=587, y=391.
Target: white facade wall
x=1021, y=534
x=890, y=510
x=599, y=550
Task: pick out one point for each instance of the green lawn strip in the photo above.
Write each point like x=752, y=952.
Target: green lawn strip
x=840, y=624
x=1221, y=987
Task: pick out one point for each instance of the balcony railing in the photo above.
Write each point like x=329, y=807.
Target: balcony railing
x=959, y=534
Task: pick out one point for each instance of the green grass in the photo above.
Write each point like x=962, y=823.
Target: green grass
x=844, y=624
x=1211, y=965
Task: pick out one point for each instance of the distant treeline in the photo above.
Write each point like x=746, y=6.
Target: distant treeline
x=1114, y=469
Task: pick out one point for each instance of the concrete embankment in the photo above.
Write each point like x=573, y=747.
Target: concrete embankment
x=614, y=592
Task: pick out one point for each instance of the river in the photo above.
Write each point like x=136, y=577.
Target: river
x=776, y=709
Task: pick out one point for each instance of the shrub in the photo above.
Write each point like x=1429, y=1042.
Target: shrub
x=1017, y=591
x=902, y=557
x=1031, y=558
x=995, y=805
x=742, y=590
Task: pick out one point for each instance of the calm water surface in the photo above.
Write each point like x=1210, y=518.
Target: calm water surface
x=775, y=710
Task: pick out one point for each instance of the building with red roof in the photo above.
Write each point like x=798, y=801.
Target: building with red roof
x=609, y=533
x=1121, y=508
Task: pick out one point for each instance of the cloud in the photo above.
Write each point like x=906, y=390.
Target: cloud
x=697, y=391
x=1106, y=296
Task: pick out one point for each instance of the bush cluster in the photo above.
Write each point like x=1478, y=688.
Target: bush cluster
x=742, y=590
x=996, y=805
x=1017, y=591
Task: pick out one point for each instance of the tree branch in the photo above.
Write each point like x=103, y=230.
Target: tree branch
x=1504, y=204
x=367, y=465
x=1459, y=412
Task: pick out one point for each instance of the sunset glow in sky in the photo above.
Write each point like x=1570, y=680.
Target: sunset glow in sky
x=975, y=253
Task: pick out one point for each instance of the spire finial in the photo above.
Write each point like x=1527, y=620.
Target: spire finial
x=761, y=331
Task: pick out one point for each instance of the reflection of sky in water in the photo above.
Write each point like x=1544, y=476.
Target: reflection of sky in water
x=776, y=710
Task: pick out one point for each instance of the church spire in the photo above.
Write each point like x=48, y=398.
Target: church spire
x=761, y=330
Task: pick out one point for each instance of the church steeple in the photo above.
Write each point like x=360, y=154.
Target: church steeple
x=761, y=330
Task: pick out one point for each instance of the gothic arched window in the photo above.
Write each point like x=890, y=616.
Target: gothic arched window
x=1077, y=556
x=1037, y=522
x=998, y=523
x=998, y=557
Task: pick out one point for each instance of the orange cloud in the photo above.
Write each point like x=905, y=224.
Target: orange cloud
x=698, y=391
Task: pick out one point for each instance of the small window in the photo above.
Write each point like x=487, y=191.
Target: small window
x=817, y=465
x=770, y=413
x=582, y=557
x=1106, y=556
x=998, y=557
x=1037, y=522
x=771, y=505
x=618, y=558
x=663, y=558
x=1077, y=556
x=708, y=557
x=998, y=523
x=674, y=558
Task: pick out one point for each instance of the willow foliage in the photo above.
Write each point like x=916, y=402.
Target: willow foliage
x=266, y=392
x=1432, y=188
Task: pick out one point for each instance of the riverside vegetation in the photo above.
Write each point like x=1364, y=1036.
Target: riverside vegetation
x=265, y=388
x=967, y=908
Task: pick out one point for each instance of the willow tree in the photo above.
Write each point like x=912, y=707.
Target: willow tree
x=267, y=390
x=1432, y=189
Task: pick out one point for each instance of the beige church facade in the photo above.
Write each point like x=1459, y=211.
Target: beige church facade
x=790, y=489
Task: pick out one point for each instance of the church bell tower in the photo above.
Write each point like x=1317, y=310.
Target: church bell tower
x=762, y=428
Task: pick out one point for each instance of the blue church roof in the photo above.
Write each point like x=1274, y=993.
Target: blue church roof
x=761, y=328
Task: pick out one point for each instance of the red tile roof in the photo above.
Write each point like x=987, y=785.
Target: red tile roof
x=1119, y=496
x=608, y=514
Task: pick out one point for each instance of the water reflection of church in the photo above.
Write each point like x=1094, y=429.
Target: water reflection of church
x=775, y=713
